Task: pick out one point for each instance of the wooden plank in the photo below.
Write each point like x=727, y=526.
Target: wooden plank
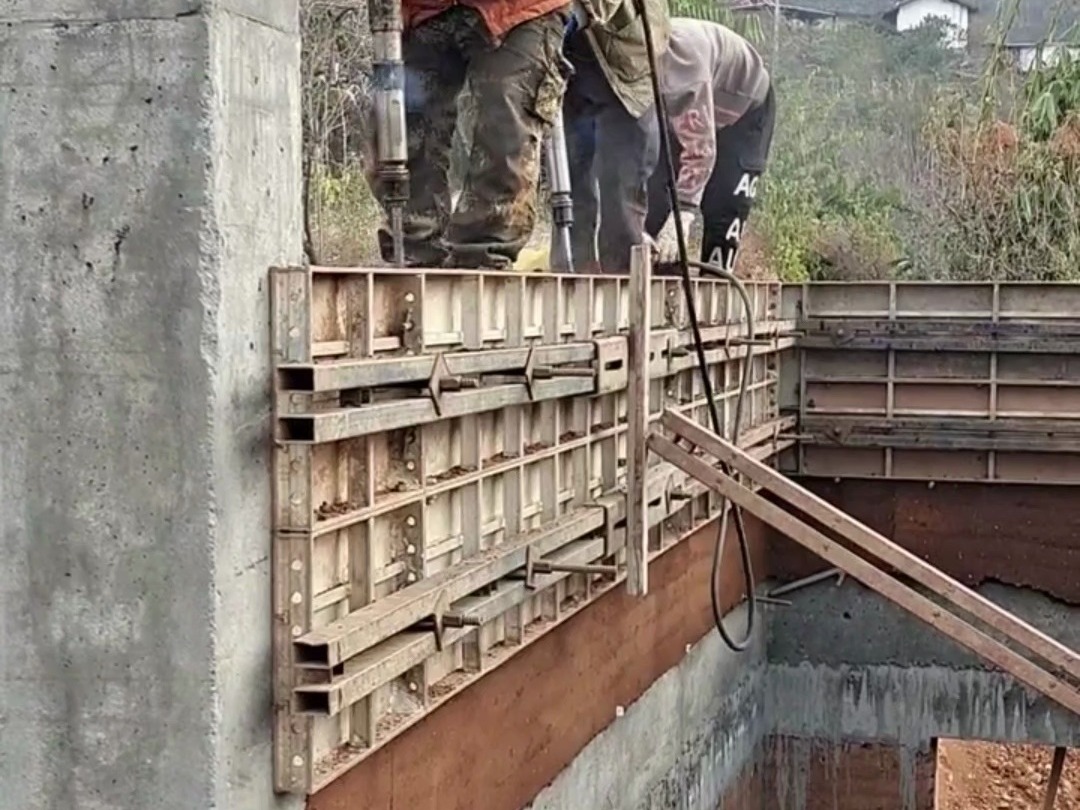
x=637, y=450
x=877, y=544
x=960, y=631
x=1057, y=766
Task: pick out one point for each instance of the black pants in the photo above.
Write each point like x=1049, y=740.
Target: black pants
x=742, y=150
x=611, y=156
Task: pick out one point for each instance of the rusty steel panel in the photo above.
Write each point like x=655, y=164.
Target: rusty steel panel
x=437, y=430
x=936, y=381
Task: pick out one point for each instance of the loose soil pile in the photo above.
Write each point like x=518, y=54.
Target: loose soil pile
x=989, y=776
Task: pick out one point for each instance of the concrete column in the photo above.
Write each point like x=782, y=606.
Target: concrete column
x=149, y=176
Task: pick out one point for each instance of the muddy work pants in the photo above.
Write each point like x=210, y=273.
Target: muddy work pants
x=611, y=156
x=517, y=87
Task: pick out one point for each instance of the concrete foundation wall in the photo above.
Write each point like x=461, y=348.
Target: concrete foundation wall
x=846, y=664
x=686, y=743
x=151, y=175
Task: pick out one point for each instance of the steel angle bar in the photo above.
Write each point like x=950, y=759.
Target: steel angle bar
x=363, y=674
x=387, y=371
x=348, y=423
x=880, y=546
x=637, y=451
x=840, y=432
x=965, y=634
x=941, y=335
x=366, y=627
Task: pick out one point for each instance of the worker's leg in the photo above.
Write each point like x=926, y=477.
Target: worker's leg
x=518, y=88
x=625, y=150
x=580, y=126
x=626, y=156
x=434, y=75
x=742, y=150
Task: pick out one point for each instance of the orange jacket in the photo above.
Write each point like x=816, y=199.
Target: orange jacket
x=499, y=15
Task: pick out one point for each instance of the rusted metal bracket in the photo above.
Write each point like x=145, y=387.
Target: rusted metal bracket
x=442, y=618
x=442, y=381
x=531, y=372
x=534, y=566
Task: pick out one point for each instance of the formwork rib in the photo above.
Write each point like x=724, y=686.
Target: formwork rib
x=441, y=438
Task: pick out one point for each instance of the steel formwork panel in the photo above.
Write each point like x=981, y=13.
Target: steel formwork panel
x=436, y=430
x=936, y=381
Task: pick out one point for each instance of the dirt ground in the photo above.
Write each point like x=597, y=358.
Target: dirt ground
x=988, y=776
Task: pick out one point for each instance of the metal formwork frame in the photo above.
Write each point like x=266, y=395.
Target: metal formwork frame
x=936, y=381
x=451, y=454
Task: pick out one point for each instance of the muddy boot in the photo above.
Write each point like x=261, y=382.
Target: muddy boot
x=479, y=257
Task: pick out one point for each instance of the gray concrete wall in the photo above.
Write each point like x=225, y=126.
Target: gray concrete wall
x=150, y=175
x=846, y=664
x=682, y=744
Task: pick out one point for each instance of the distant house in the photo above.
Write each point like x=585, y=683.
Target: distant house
x=897, y=15
x=1044, y=30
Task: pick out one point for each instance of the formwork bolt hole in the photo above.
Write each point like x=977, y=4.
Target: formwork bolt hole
x=412, y=686
x=410, y=577
x=931, y=484
x=410, y=465
x=410, y=521
x=296, y=598
x=297, y=565
x=410, y=549
x=296, y=631
x=298, y=761
x=294, y=331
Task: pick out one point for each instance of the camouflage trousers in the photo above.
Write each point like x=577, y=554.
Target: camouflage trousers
x=517, y=87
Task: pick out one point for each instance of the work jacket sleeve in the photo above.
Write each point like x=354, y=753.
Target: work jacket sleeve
x=693, y=122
